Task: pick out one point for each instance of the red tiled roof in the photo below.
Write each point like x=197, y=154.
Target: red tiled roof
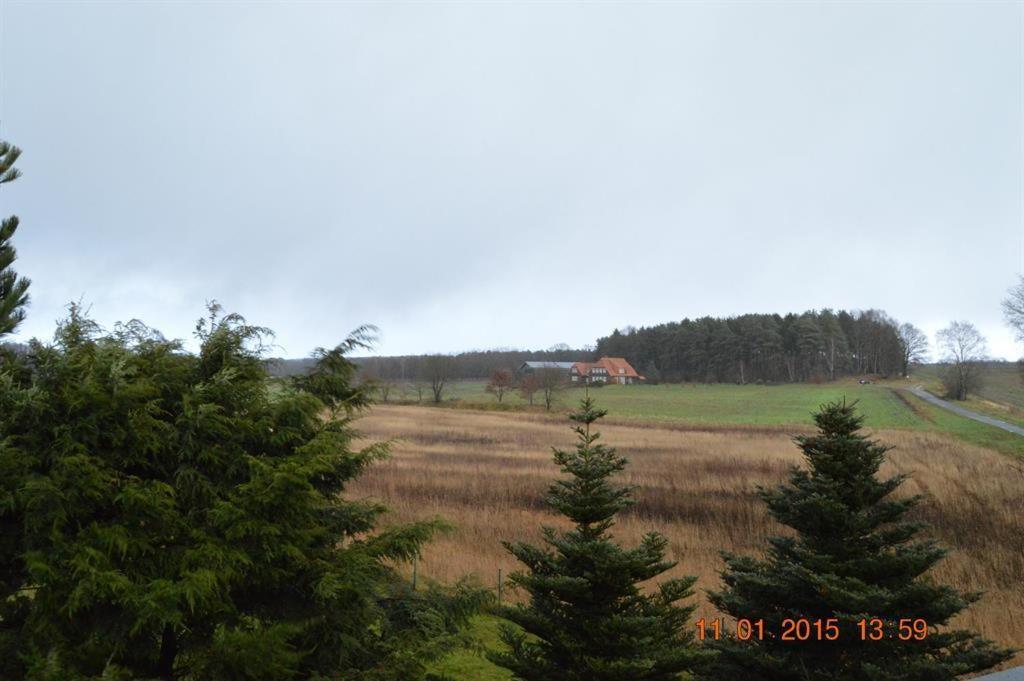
x=609, y=364
x=582, y=367
x=613, y=364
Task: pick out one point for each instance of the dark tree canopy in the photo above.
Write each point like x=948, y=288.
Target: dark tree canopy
x=587, y=618
x=174, y=519
x=762, y=347
x=852, y=558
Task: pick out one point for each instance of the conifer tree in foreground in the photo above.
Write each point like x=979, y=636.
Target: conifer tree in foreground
x=587, y=618
x=13, y=289
x=852, y=559
x=181, y=521
x=14, y=600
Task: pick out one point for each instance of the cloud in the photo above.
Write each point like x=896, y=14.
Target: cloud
x=514, y=175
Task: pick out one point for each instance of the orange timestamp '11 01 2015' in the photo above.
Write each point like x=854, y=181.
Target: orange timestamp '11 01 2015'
x=804, y=629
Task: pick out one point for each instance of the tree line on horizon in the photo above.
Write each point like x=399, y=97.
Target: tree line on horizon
x=769, y=348
x=751, y=348
x=473, y=364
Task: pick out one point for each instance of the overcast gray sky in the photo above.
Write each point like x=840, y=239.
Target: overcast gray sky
x=515, y=175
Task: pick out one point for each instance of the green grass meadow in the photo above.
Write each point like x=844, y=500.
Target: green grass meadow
x=719, y=404
x=885, y=404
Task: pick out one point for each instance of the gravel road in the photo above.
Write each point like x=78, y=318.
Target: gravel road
x=928, y=397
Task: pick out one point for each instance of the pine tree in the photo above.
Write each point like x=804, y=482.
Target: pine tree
x=853, y=559
x=181, y=521
x=587, y=618
x=13, y=289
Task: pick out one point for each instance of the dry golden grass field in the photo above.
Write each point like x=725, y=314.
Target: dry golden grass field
x=487, y=472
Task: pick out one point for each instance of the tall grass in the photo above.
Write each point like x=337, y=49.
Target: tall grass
x=488, y=472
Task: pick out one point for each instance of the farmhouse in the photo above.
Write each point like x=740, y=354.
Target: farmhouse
x=604, y=370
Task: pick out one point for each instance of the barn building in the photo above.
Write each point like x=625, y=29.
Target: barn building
x=530, y=367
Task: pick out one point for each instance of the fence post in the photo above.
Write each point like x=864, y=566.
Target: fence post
x=499, y=586
x=415, y=560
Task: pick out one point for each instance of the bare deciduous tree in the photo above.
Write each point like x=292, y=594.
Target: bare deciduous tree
x=550, y=382
x=500, y=383
x=963, y=349
x=1013, y=312
x=416, y=387
x=914, y=344
x=382, y=387
x=528, y=386
x=437, y=371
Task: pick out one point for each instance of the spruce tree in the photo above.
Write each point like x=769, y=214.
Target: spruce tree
x=13, y=289
x=852, y=558
x=182, y=521
x=587, y=618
